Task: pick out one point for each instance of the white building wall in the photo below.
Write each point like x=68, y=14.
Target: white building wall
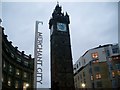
x=87, y=57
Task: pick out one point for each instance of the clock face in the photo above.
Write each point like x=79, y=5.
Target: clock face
x=61, y=26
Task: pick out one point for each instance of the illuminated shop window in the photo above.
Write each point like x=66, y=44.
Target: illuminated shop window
x=25, y=85
x=9, y=82
x=17, y=72
x=98, y=76
x=18, y=59
x=92, y=77
x=25, y=75
x=16, y=84
x=113, y=74
x=95, y=55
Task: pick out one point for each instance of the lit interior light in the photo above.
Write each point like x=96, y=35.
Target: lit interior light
x=9, y=83
x=27, y=85
x=18, y=73
x=83, y=85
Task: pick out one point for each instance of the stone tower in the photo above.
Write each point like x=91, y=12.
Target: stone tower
x=61, y=55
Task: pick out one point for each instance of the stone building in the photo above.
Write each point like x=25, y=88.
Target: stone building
x=17, y=67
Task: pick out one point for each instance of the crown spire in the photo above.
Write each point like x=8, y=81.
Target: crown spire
x=57, y=3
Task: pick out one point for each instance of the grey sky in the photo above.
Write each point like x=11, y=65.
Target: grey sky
x=92, y=24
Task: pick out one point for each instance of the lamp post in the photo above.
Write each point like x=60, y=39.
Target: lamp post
x=35, y=53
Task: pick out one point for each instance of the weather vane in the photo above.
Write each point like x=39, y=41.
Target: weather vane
x=57, y=3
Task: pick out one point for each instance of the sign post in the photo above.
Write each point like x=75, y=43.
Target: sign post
x=38, y=71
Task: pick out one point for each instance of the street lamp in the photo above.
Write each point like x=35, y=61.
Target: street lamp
x=83, y=85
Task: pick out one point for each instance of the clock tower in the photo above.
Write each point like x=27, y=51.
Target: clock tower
x=61, y=55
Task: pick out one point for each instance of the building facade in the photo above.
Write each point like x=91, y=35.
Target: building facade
x=17, y=68
x=61, y=56
x=95, y=68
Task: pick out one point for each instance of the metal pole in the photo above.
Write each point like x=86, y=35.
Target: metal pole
x=35, y=53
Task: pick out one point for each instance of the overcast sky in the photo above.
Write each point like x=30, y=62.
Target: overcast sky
x=91, y=24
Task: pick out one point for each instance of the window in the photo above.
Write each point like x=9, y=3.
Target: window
x=84, y=61
x=6, y=49
x=95, y=61
x=12, y=55
x=108, y=53
x=84, y=74
x=99, y=84
x=25, y=75
x=117, y=66
x=118, y=72
x=25, y=85
x=80, y=76
x=98, y=76
x=17, y=72
x=97, y=69
x=16, y=84
x=9, y=82
x=113, y=74
x=25, y=63
x=95, y=55
x=91, y=77
x=10, y=68
x=79, y=64
x=90, y=70
x=18, y=59
x=115, y=50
